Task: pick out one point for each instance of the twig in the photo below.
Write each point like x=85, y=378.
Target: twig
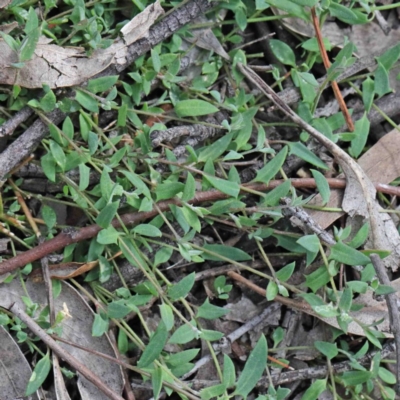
x=327, y=64
x=72, y=361
x=305, y=218
x=64, y=238
x=394, y=315
x=10, y=125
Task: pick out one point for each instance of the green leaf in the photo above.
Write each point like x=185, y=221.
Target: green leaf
x=386, y=376
x=214, y=150
x=272, y=290
x=209, y=311
x=286, y=272
x=283, y=52
x=84, y=177
x=118, y=309
x=308, y=3
x=102, y=84
x=360, y=237
x=227, y=187
x=87, y=101
x=182, y=357
x=290, y=7
x=322, y=185
x=48, y=101
x=253, y=369
x=184, y=334
x=108, y=236
x=362, y=131
x=155, y=346
x=316, y=388
x=229, y=376
x=182, y=288
x=347, y=255
x=389, y=57
x=273, y=197
x=49, y=216
x=368, y=93
x=10, y=41
x=122, y=113
x=107, y=214
x=230, y=253
x=157, y=381
x=147, y=230
x=100, y=325
x=168, y=190
x=353, y=378
x=39, y=374
x=381, y=84
x=210, y=335
x=329, y=350
x=317, y=279
x=194, y=108
x=190, y=188
x=346, y=14
x=346, y=300
x=266, y=173
x=212, y=392
x=58, y=154
x=167, y=316
x=301, y=151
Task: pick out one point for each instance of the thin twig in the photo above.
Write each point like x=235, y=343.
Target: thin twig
x=327, y=64
x=65, y=238
x=393, y=311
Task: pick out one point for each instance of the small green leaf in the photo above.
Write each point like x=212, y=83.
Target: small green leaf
x=230, y=253
x=272, y=290
x=301, y=151
x=102, y=84
x=209, y=311
x=286, y=272
x=108, y=236
x=190, y=188
x=230, y=188
x=347, y=255
x=147, y=230
x=157, y=381
x=316, y=388
x=100, y=325
x=49, y=216
x=48, y=101
x=39, y=374
x=346, y=300
x=229, y=376
x=273, y=197
x=360, y=237
x=361, y=131
x=182, y=288
x=118, y=309
x=167, y=316
x=212, y=392
x=253, y=369
x=290, y=7
x=353, y=378
x=266, y=173
x=345, y=14
x=168, y=190
x=84, y=177
x=87, y=101
x=283, y=52
x=184, y=334
x=194, y=108
x=368, y=93
x=155, y=346
x=58, y=154
x=322, y=185
x=214, y=150
x=107, y=214
x=317, y=279
x=381, y=84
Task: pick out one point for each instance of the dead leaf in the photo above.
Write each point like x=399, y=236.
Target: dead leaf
x=77, y=329
x=4, y=3
x=59, y=66
x=14, y=369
